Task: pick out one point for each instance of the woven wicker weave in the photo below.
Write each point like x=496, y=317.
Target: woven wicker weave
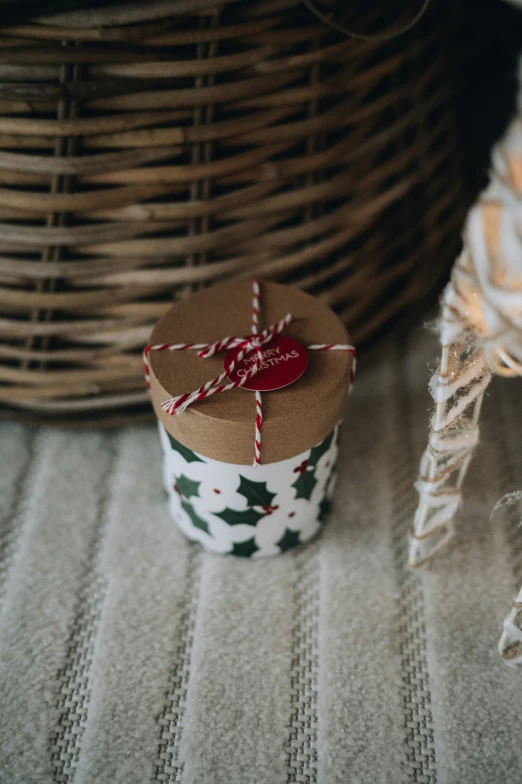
x=142, y=160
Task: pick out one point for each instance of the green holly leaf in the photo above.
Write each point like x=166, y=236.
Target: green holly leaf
x=240, y=517
x=187, y=487
x=196, y=519
x=337, y=435
x=245, y=549
x=289, y=539
x=318, y=451
x=331, y=476
x=256, y=493
x=325, y=508
x=304, y=485
x=185, y=452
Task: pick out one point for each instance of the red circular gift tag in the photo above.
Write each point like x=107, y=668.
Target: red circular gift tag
x=284, y=361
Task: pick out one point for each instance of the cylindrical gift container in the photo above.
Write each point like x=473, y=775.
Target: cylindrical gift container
x=216, y=495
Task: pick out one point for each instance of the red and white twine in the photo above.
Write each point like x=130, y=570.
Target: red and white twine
x=259, y=408
x=247, y=345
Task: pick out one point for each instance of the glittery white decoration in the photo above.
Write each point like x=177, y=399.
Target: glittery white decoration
x=480, y=334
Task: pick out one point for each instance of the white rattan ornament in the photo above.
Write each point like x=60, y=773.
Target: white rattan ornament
x=480, y=334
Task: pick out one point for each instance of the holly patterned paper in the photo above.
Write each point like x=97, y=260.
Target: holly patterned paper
x=246, y=511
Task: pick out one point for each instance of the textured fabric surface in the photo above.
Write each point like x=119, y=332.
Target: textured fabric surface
x=129, y=656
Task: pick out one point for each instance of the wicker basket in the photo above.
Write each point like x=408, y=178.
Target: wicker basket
x=141, y=160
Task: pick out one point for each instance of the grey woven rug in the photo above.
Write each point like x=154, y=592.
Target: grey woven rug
x=127, y=656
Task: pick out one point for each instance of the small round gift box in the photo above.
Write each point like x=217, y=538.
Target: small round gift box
x=249, y=383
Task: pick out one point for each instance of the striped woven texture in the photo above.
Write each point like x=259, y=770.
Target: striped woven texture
x=128, y=656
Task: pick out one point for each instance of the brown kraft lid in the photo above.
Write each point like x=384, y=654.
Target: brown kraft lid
x=222, y=426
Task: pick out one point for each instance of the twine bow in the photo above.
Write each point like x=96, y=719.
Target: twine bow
x=250, y=344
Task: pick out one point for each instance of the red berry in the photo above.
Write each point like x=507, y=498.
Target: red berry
x=301, y=468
